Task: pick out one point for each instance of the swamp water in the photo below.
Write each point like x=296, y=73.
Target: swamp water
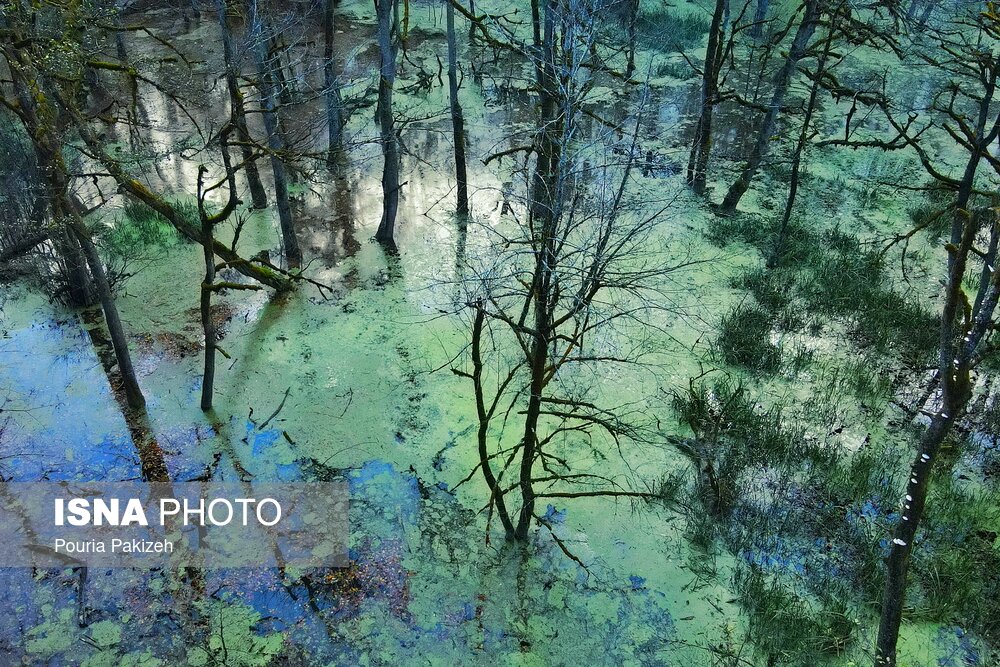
x=364, y=391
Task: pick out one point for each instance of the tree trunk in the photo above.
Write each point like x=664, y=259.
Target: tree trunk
x=961, y=333
x=758, y=19
x=334, y=102
x=544, y=213
x=133, y=394
x=632, y=29
x=926, y=15
x=781, y=82
x=208, y=326
x=955, y=360
x=702, y=144
x=800, y=146
x=266, y=64
x=457, y=119
x=257, y=193
x=390, y=142
x=79, y=285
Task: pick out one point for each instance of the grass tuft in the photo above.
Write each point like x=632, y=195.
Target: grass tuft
x=745, y=340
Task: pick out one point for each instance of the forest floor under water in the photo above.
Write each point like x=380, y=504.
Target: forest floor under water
x=361, y=377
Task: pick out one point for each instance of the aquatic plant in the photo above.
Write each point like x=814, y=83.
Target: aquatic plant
x=745, y=340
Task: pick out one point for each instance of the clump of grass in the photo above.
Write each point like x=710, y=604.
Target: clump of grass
x=138, y=227
x=788, y=627
x=859, y=378
x=960, y=534
x=745, y=340
x=677, y=70
x=747, y=228
x=671, y=31
x=849, y=281
x=732, y=435
x=771, y=288
x=138, y=236
x=930, y=214
x=800, y=245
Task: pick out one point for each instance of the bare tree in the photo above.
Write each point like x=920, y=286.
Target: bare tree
x=36, y=99
x=546, y=292
x=805, y=133
x=702, y=144
x=334, y=103
x=759, y=19
x=209, y=285
x=967, y=111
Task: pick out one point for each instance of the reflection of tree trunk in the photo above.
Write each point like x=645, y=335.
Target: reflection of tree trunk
x=343, y=204
x=390, y=142
x=130, y=385
x=457, y=119
x=758, y=19
x=632, y=30
x=275, y=142
x=257, y=192
x=151, y=460
x=485, y=414
x=334, y=103
x=781, y=82
x=926, y=15
x=702, y=144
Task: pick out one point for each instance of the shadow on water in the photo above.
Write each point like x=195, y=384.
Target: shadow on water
x=151, y=459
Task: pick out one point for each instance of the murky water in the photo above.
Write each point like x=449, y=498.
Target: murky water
x=367, y=400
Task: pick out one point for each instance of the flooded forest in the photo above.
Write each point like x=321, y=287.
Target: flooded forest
x=642, y=332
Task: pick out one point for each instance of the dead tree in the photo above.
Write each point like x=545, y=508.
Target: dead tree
x=209, y=285
x=966, y=111
x=334, y=103
x=805, y=133
x=36, y=100
x=545, y=292
x=632, y=35
x=759, y=19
